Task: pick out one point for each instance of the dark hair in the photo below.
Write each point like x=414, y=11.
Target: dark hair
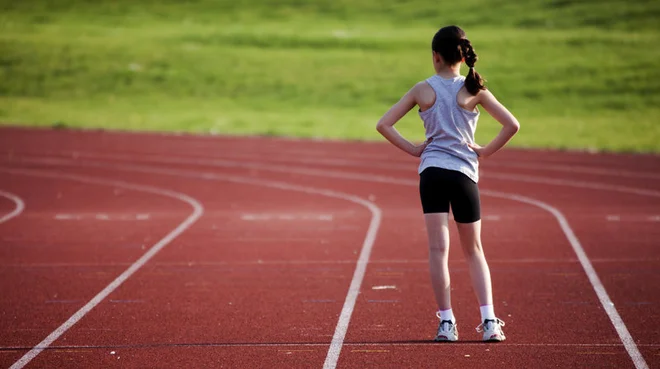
x=451, y=44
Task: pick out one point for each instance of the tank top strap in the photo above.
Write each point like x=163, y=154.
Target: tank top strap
x=446, y=89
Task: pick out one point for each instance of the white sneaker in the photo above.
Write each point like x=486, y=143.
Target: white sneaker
x=492, y=329
x=447, y=331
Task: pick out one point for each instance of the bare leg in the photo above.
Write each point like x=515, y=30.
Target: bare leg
x=437, y=228
x=470, y=234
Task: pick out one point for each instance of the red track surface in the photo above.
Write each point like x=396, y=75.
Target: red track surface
x=260, y=279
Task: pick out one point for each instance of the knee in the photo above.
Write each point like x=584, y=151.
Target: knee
x=473, y=250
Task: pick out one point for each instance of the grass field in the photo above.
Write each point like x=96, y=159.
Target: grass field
x=582, y=74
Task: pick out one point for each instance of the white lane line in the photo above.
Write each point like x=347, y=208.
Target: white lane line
x=363, y=259
x=597, y=285
x=329, y=262
x=321, y=344
x=198, y=210
x=570, y=183
x=297, y=217
x=19, y=206
x=349, y=175
x=606, y=302
x=611, y=311
x=402, y=166
x=67, y=217
x=580, y=169
x=102, y=216
x=383, y=288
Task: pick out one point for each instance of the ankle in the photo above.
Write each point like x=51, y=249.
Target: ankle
x=447, y=314
x=487, y=312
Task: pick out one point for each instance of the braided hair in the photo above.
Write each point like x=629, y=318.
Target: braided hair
x=451, y=44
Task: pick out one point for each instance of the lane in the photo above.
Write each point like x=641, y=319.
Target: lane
x=585, y=217
x=582, y=205
x=575, y=272
x=42, y=283
x=56, y=141
x=643, y=184
x=233, y=302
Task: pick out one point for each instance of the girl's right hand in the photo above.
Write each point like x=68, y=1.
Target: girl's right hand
x=419, y=149
x=478, y=149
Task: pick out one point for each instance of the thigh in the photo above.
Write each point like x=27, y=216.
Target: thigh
x=465, y=202
x=434, y=191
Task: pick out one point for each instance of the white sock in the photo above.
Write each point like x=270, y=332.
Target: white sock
x=487, y=312
x=447, y=315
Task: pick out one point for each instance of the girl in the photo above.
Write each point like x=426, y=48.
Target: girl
x=449, y=169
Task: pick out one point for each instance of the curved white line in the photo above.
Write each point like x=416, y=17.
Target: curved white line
x=597, y=285
x=569, y=183
x=603, y=297
x=401, y=165
x=365, y=252
x=322, y=172
x=579, y=169
x=198, y=210
x=18, y=208
x=320, y=156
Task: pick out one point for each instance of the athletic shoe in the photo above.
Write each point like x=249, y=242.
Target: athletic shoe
x=447, y=331
x=492, y=329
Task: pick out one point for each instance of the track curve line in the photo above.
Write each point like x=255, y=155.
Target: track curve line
x=18, y=209
x=198, y=211
x=581, y=169
x=348, y=162
x=348, y=175
x=597, y=285
x=358, y=275
x=599, y=289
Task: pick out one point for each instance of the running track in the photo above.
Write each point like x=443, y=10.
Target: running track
x=161, y=251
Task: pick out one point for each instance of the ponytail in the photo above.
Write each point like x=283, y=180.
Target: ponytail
x=473, y=81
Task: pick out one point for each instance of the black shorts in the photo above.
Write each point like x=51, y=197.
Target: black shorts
x=439, y=188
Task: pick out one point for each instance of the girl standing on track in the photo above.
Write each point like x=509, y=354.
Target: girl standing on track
x=449, y=169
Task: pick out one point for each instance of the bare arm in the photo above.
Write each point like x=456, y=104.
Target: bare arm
x=386, y=124
x=510, y=125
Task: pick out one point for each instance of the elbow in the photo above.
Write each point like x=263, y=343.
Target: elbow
x=514, y=127
x=380, y=127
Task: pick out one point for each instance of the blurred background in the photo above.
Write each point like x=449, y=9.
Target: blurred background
x=578, y=74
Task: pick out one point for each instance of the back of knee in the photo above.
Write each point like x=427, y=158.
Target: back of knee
x=439, y=248
x=473, y=250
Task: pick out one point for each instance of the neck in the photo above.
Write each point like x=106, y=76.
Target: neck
x=449, y=71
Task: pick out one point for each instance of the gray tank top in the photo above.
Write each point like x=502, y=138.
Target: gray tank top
x=451, y=127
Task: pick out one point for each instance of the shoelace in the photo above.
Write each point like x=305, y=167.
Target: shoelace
x=442, y=328
x=480, y=328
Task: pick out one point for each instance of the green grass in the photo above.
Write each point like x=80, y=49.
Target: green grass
x=582, y=74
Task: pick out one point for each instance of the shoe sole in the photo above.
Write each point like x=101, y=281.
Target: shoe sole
x=445, y=339
x=495, y=339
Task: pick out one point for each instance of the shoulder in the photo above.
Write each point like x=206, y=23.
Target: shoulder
x=422, y=86
x=485, y=96
x=424, y=94
x=422, y=89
